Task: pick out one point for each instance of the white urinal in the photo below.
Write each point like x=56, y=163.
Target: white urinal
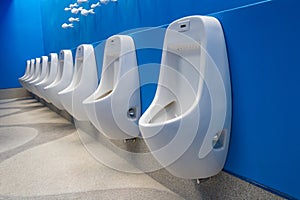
x=43, y=73
x=187, y=126
x=63, y=78
x=37, y=74
x=50, y=76
x=83, y=84
x=31, y=75
x=114, y=108
x=26, y=74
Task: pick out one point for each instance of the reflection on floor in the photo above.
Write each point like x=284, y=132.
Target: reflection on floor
x=41, y=157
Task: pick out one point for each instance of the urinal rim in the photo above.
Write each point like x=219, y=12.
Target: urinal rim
x=29, y=80
x=26, y=70
x=146, y=113
x=53, y=84
x=63, y=92
x=35, y=80
x=91, y=99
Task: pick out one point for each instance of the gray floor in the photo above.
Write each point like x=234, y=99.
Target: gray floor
x=42, y=157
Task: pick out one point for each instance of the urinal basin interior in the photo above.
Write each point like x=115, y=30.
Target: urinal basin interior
x=180, y=82
x=166, y=113
x=58, y=75
x=110, y=79
x=78, y=73
x=76, y=78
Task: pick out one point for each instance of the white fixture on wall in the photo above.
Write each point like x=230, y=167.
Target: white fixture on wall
x=115, y=108
x=44, y=68
x=37, y=73
x=26, y=74
x=50, y=76
x=31, y=74
x=84, y=82
x=187, y=126
x=63, y=78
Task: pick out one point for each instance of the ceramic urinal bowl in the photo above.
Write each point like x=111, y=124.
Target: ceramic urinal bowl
x=83, y=84
x=31, y=75
x=114, y=108
x=187, y=126
x=26, y=74
x=63, y=78
x=37, y=73
x=50, y=76
x=41, y=77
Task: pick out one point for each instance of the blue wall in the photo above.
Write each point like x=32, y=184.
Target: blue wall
x=117, y=17
x=263, y=45
x=20, y=38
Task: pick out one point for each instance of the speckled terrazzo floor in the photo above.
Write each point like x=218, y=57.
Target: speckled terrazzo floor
x=41, y=157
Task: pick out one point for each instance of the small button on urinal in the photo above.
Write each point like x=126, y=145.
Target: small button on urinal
x=50, y=76
x=31, y=74
x=187, y=126
x=63, y=78
x=26, y=74
x=84, y=82
x=44, y=68
x=114, y=108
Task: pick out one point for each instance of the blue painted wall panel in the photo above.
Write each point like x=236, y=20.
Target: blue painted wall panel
x=263, y=47
x=117, y=17
x=20, y=38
